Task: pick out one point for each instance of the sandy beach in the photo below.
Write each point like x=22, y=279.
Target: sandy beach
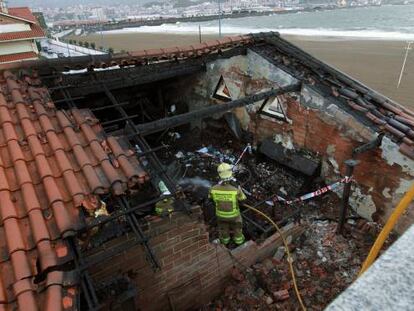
x=375, y=63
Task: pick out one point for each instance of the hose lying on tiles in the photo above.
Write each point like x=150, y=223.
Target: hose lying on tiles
x=396, y=214
x=289, y=257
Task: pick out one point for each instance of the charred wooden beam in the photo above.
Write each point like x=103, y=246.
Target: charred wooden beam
x=159, y=125
x=82, y=84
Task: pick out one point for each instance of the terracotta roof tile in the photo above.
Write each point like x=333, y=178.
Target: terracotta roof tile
x=22, y=12
x=50, y=162
x=18, y=57
x=35, y=32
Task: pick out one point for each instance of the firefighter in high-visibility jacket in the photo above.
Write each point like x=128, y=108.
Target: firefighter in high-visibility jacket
x=165, y=207
x=226, y=198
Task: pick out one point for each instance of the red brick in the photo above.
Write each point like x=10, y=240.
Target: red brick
x=170, y=242
x=203, y=241
x=199, y=251
x=183, y=244
x=159, y=238
x=169, y=259
x=183, y=259
x=165, y=253
x=190, y=234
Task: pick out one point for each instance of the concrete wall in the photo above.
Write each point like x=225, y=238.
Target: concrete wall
x=315, y=123
x=193, y=270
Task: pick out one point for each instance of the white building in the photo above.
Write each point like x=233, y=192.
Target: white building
x=99, y=13
x=18, y=31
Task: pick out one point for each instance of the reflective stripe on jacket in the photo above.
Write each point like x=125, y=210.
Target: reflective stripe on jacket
x=226, y=198
x=164, y=206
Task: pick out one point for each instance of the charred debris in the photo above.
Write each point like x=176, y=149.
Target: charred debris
x=183, y=147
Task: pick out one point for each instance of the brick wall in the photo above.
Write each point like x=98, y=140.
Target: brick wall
x=193, y=270
x=333, y=136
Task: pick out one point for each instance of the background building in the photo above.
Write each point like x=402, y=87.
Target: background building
x=19, y=30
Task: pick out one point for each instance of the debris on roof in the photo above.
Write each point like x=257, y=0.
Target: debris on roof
x=64, y=176
x=53, y=165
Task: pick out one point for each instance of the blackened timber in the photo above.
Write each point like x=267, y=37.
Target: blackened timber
x=82, y=85
x=159, y=125
x=88, y=288
x=349, y=170
x=93, y=260
x=108, y=107
x=47, y=68
x=136, y=228
x=100, y=222
x=119, y=119
x=140, y=141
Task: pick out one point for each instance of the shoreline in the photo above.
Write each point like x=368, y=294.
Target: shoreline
x=305, y=34
x=375, y=63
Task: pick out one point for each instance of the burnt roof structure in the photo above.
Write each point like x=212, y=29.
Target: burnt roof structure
x=54, y=164
x=57, y=160
x=147, y=66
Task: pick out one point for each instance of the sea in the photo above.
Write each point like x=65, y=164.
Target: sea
x=388, y=22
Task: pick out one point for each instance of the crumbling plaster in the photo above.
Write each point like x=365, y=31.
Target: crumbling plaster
x=393, y=156
x=245, y=75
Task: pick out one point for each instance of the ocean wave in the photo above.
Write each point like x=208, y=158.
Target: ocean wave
x=188, y=28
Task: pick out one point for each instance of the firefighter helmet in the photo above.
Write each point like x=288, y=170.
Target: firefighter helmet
x=225, y=170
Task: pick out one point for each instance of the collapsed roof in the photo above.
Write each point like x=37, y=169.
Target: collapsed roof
x=54, y=163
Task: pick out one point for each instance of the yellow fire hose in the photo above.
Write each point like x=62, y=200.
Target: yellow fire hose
x=289, y=257
x=392, y=220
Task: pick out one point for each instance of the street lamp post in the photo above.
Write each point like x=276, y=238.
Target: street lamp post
x=219, y=7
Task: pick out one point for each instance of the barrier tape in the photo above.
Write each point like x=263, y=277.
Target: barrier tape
x=311, y=195
x=248, y=147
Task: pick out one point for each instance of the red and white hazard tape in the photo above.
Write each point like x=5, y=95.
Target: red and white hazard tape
x=311, y=195
x=248, y=147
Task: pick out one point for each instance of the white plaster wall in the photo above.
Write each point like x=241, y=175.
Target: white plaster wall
x=391, y=153
x=260, y=68
x=5, y=28
x=14, y=47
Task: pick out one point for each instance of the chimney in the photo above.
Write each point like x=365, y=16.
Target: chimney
x=3, y=6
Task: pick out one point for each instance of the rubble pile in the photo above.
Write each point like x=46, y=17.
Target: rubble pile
x=273, y=179
x=258, y=176
x=325, y=264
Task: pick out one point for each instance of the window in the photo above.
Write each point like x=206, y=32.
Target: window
x=274, y=107
x=222, y=92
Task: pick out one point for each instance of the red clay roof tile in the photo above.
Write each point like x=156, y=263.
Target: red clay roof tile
x=22, y=12
x=50, y=162
x=18, y=57
x=35, y=32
